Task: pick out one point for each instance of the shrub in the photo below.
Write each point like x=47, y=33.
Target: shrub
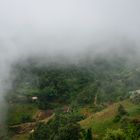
x=41, y=132
x=88, y=135
x=70, y=131
x=121, y=112
x=115, y=135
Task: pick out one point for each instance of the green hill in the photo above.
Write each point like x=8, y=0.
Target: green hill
x=103, y=120
x=99, y=122
x=88, y=92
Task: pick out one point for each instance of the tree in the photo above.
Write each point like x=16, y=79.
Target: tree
x=133, y=132
x=61, y=127
x=41, y=132
x=121, y=112
x=115, y=135
x=88, y=135
x=71, y=131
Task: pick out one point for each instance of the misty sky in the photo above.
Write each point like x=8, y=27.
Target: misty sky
x=28, y=26
x=65, y=27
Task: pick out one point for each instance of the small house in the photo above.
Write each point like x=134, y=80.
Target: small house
x=34, y=98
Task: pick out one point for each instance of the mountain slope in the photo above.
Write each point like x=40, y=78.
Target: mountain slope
x=101, y=121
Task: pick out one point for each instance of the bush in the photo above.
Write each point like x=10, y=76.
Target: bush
x=41, y=132
x=26, y=118
x=133, y=132
x=115, y=135
x=61, y=127
x=88, y=134
x=70, y=131
x=121, y=112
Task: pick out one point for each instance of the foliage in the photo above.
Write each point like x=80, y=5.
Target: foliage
x=131, y=128
x=103, y=120
x=20, y=113
x=107, y=79
x=131, y=131
x=121, y=112
x=115, y=135
x=88, y=134
x=69, y=132
x=110, y=79
x=40, y=133
x=62, y=127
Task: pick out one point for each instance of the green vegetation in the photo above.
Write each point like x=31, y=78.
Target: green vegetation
x=101, y=79
x=21, y=113
x=115, y=135
x=61, y=127
x=101, y=121
x=120, y=113
x=88, y=134
x=129, y=132
x=88, y=100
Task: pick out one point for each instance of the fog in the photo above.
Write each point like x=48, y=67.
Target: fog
x=65, y=28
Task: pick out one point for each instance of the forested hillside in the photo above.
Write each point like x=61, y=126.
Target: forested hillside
x=69, y=93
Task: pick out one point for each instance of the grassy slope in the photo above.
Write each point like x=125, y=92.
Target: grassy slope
x=100, y=121
x=25, y=136
x=17, y=111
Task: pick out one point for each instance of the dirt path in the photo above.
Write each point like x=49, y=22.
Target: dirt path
x=28, y=127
